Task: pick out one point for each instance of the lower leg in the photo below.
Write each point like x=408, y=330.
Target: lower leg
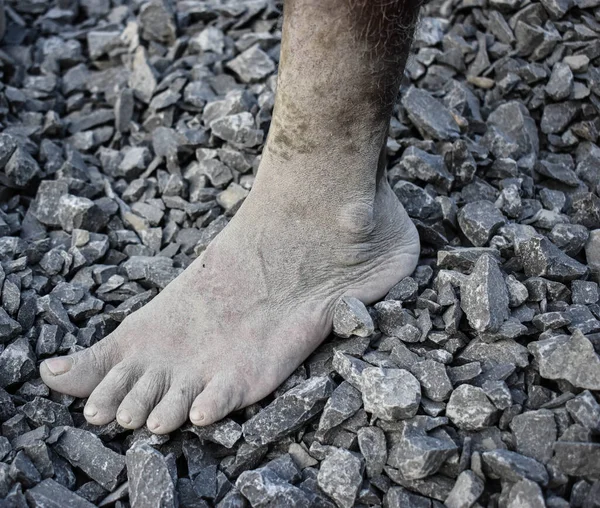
x=320, y=223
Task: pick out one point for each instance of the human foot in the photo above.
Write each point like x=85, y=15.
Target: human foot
x=243, y=316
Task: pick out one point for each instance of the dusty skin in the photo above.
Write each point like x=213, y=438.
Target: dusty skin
x=321, y=222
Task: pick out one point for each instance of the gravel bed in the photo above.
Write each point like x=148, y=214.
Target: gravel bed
x=130, y=135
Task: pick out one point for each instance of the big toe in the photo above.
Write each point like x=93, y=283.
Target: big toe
x=79, y=374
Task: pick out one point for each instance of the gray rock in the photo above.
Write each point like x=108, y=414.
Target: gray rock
x=288, y=412
x=124, y=107
x=9, y=328
x=526, y=494
x=540, y=257
x=51, y=494
x=262, y=487
x=484, y=296
x=150, y=481
x=351, y=317
x=238, y=129
x=142, y=79
x=17, y=363
x=21, y=168
x=585, y=410
x=134, y=162
x=225, y=432
x=46, y=208
x=512, y=133
x=466, y=491
x=390, y=394
x=513, y=467
x=535, y=433
x=417, y=203
x=479, y=221
x=570, y=358
x=470, y=409
x=343, y=403
x=434, y=380
x=429, y=115
x=391, y=317
x=157, y=21
x=349, y=368
x=417, y=455
x=424, y=166
x=557, y=117
x=42, y=411
x=578, y=459
x=340, y=476
x=560, y=85
x=252, y=65
x=372, y=445
x=86, y=451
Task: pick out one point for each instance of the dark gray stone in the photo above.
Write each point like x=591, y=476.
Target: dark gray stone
x=288, y=412
x=340, y=476
x=513, y=467
x=470, y=409
x=51, y=494
x=535, y=433
x=150, y=481
x=479, y=221
x=351, y=317
x=429, y=115
x=390, y=394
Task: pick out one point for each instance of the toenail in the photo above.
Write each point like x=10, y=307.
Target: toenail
x=196, y=415
x=153, y=425
x=125, y=417
x=58, y=366
x=90, y=411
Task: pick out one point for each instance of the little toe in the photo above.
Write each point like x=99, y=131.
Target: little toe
x=101, y=407
x=217, y=400
x=78, y=374
x=141, y=400
x=172, y=411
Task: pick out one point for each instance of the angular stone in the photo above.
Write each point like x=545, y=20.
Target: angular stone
x=349, y=368
x=424, y=166
x=434, y=380
x=51, y=494
x=526, y=494
x=561, y=81
x=351, y=317
x=417, y=203
x=343, y=403
x=535, y=433
x=142, y=79
x=225, y=432
x=391, y=317
x=150, y=481
x=513, y=467
x=87, y=452
x=9, y=328
x=540, y=257
x=17, y=363
x=578, y=459
x=252, y=65
x=340, y=477
x=372, y=445
x=479, y=221
x=390, y=394
x=470, y=409
x=515, y=131
x=21, y=168
x=585, y=410
x=263, y=487
x=238, y=129
x=288, y=412
x=417, y=455
x=80, y=213
x=570, y=358
x=466, y=491
x=45, y=208
x=157, y=20
x=42, y=411
x=429, y=115
x=484, y=296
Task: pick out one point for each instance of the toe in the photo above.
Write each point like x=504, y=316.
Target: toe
x=101, y=407
x=141, y=400
x=216, y=401
x=172, y=411
x=78, y=374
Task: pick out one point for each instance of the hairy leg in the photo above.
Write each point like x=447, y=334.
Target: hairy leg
x=320, y=223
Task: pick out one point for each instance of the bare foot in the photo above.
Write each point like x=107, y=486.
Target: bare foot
x=243, y=316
